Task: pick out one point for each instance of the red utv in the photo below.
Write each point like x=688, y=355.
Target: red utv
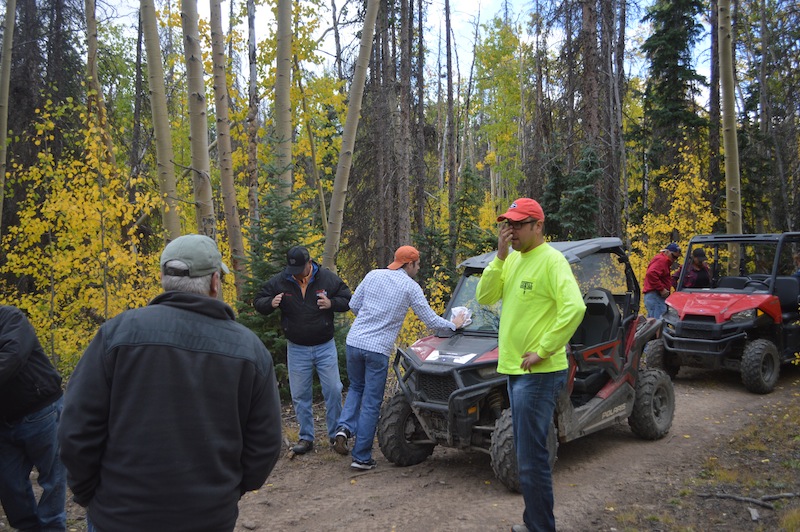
x=746, y=321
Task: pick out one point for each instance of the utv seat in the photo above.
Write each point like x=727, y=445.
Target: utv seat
x=732, y=282
x=788, y=291
x=599, y=326
x=601, y=321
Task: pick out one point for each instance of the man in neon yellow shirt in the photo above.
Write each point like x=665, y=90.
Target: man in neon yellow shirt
x=542, y=307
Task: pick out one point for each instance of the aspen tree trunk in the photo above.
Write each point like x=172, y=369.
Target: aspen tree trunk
x=252, y=117
x=714, y=113
x=283, y=105
x=419, y=156
x=732, y=179
x=96, y=105
x=334, y=233
x=323, y=210
x=225, y=150
x=451, y=134
x=158, y=103
x=5, y=80
x=198, y=121
x=95, y=97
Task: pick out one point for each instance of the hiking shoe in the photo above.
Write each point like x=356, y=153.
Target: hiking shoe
x=303, y=446
x=519, y=528
x=340, y=443
x=365, y=466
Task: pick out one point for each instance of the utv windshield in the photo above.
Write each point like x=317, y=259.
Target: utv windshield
x=745, y=259
x=600, y=270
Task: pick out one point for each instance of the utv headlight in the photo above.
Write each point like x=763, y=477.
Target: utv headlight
x=745, y=315
x=489, y=372
x=671, y=314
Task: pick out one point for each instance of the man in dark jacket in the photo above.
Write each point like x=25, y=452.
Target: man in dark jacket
x=308, y=296
x=173, y=411
x=30, y=407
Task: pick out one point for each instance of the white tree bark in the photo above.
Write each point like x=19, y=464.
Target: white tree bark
x=334, y=234
x=198, y=121
x=161, y=130
x=225, y=151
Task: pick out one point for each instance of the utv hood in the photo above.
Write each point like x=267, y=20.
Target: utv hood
x=720, y=306
x=458, y=349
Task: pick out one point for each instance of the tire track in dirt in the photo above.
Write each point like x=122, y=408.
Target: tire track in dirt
x=456, y=491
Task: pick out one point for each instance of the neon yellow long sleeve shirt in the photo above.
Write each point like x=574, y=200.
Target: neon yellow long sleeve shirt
x=542, y=307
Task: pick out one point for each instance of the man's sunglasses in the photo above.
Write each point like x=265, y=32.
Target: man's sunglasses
x=519, y=225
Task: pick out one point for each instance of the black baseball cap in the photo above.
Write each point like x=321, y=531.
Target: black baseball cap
x=296, y=259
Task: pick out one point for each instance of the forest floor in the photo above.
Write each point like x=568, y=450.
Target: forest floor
x=730, y=462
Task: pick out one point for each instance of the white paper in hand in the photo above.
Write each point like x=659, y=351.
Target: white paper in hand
x=458, y=311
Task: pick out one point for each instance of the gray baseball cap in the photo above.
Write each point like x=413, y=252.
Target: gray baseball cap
x=198, y=252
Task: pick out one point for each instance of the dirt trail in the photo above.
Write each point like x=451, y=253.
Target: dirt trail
x=455, y=491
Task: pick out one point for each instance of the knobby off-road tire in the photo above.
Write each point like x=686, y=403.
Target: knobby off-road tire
x=504, y=454
x=397, y=428
x=655, y=357
x=761, y=366
x=654, y=406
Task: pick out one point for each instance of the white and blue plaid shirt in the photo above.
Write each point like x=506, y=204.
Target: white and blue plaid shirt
x=380, y=304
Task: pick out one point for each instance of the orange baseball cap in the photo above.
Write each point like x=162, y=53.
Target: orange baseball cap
x=523, y=208
x=404, y=255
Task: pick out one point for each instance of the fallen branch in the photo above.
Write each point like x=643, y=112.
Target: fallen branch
x=779, y=496
x=758, y=502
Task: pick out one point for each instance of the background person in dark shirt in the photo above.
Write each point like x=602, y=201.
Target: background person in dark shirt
x=30, y=408
x=308, y=295
x=698, y=275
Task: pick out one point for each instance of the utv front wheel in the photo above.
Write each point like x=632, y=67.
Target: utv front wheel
x=761, y=366
x=655, y=357
x=504, y=454
x=398, y=428
x=654, y=406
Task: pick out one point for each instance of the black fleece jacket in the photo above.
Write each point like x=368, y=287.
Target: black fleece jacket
x=28, y=381
x=302, y=321
x=171, y=415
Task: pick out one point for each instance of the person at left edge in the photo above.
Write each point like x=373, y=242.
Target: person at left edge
x=308, y=295
x=30, y=407
x=173, y=412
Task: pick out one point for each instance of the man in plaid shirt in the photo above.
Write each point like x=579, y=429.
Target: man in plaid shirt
x=380, y=304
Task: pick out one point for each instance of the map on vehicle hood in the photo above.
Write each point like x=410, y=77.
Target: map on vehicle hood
x=454, y=358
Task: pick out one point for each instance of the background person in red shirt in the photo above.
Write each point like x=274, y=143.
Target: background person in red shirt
x=658, y=280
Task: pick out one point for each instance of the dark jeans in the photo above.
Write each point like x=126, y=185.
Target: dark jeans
x=533, y=402
x=24, y=444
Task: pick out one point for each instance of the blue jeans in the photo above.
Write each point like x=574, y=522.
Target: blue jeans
x=302, y=359
x=533, y=403
x=24, y=444
x=367, y=372
x=654, y=304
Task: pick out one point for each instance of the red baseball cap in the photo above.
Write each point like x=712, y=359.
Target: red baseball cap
x=523, y=208
x=404, y=255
